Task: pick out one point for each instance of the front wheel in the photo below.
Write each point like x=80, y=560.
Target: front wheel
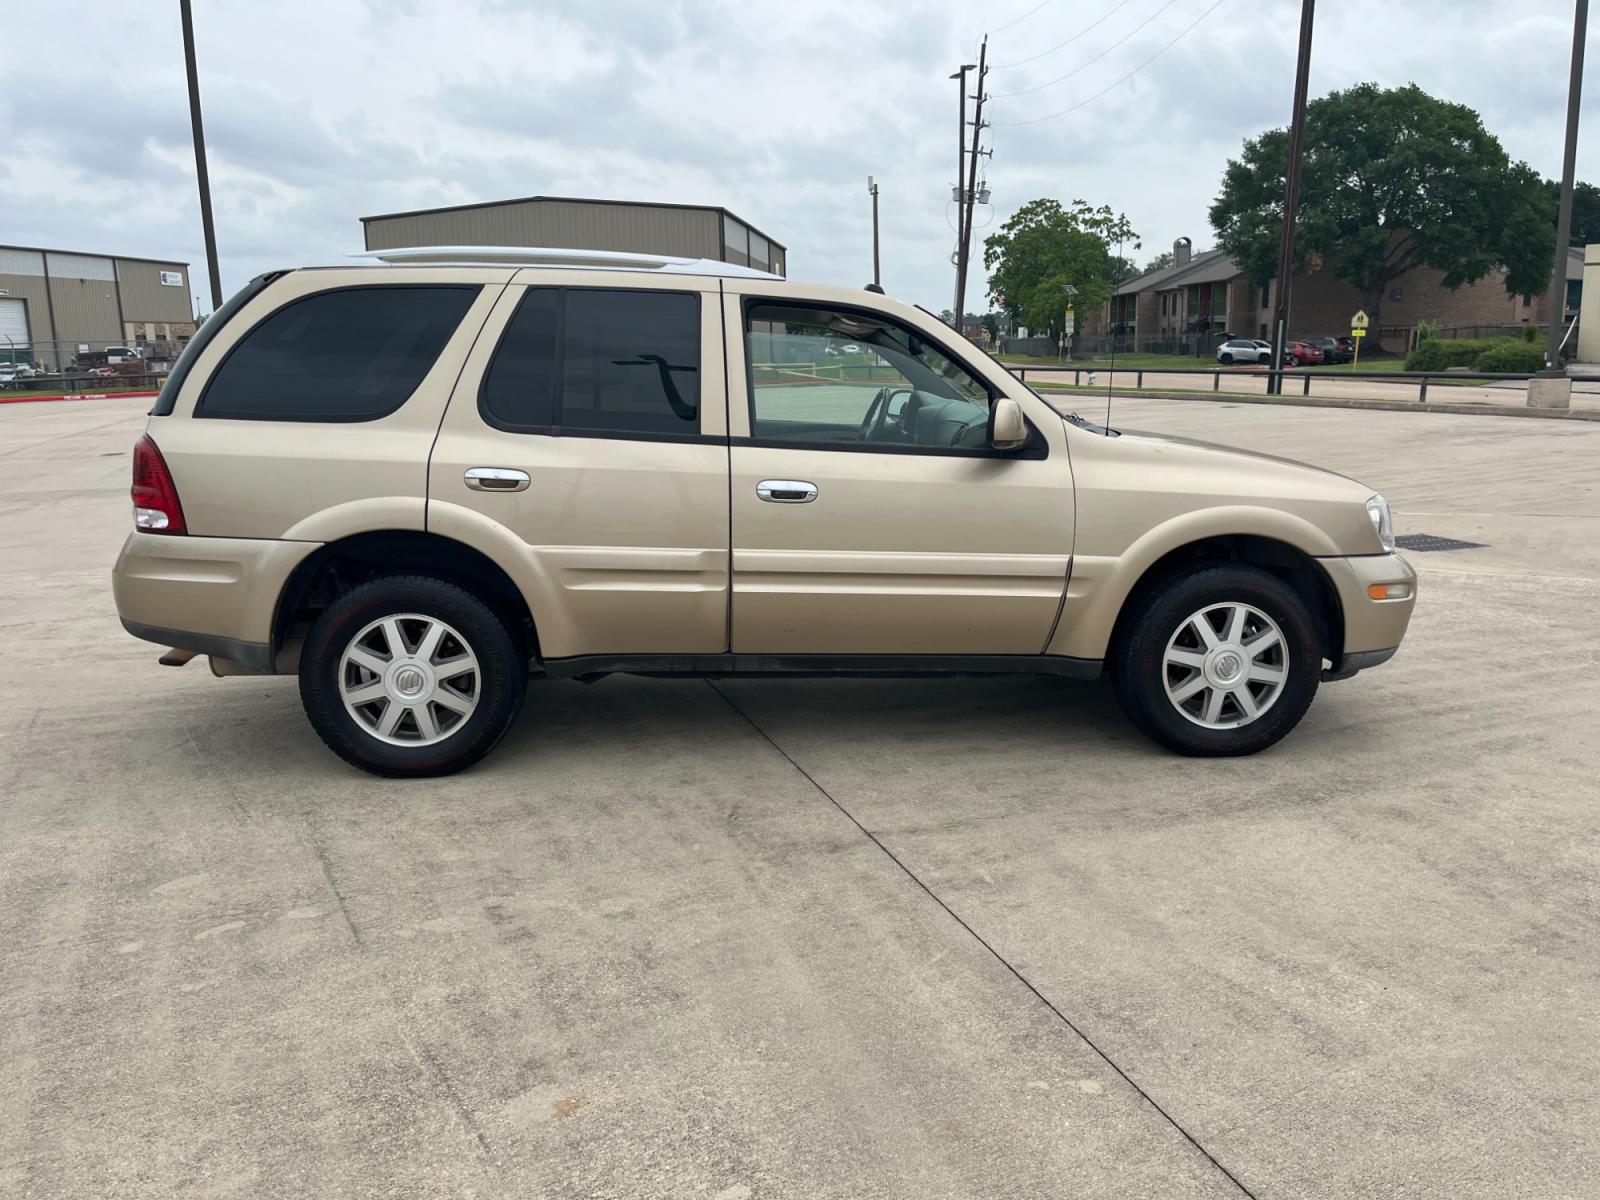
x=411, y=676
x=1226, y=360
x=1220, y=660
x=1294, y=360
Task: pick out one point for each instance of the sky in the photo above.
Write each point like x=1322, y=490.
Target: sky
x=319, y=112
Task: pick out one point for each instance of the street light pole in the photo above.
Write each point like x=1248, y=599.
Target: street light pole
x=200, y=155
x=1558, y=274
x=969, y=198
x=1291, y=198
x=877, y=277
x=960, y=77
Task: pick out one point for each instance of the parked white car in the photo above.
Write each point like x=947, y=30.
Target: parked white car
x=1244, y=350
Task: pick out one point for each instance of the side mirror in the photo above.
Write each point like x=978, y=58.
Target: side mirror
x=1007, y=428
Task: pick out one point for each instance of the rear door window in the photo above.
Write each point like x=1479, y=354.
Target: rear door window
x=598, y=362
x=355, y=354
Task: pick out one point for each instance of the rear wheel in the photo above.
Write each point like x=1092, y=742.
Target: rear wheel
x=1220, y=660
x=410, y=676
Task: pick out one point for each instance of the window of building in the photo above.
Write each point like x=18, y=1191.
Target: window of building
x=735, y=241
x=843, y=379
x=597, y=361
x=355, y=354
x=760, y=252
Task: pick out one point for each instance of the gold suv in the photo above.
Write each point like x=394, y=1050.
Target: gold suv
x=418, y=482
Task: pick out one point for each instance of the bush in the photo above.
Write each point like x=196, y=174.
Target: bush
x=1440, y=354
x=1513, y=356
x=1530, y=334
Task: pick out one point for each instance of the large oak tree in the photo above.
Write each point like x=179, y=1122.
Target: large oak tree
x=1391, y=179
x=1043, y=248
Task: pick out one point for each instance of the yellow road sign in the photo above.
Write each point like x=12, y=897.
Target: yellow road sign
x=1358, y=331
x=1359, y=321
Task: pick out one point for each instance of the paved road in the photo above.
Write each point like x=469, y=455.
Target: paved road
x=818, y=939
x=1250, y=381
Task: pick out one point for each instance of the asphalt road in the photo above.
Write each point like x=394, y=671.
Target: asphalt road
x=818, y=939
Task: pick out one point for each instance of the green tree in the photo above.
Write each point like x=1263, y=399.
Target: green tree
x=1159, y=262
x=1392, y=179
x=1043, y=248
x=1585, y=209
x=991, y=326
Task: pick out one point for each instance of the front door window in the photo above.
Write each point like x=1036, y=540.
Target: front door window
x=843, y=379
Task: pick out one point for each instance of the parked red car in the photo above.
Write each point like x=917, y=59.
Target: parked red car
x=1301, y=354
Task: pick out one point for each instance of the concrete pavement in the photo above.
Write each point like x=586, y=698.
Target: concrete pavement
x=818, y=939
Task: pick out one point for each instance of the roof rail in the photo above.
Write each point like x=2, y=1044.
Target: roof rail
x=542, y=256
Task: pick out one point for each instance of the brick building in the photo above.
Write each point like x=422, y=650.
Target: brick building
x=1203, y=296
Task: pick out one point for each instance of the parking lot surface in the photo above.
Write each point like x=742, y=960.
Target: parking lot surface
x=818, y=938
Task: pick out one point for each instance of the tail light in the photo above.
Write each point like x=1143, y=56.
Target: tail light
x=155, y=496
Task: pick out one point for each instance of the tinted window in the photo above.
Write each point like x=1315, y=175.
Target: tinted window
x=349, y=355
x=598, y=361
x=201, y=339
x=520, y=388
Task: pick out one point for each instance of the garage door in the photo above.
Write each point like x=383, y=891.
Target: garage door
x=13, y=323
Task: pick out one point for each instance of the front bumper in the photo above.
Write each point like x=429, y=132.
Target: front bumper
x=212, y=595
x=1373, y=629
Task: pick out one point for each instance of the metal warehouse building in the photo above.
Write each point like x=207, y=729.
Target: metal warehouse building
x=55, y=304
x=686, y=230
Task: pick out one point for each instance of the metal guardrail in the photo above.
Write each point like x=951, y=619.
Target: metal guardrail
x=1305, y=377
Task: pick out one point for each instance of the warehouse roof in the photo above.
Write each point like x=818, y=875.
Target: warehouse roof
x=418, y=212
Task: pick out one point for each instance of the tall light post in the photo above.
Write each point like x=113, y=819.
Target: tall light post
x=200, y=155
x=1555, y=390
x=960, y=76
x=1291, y=198
x=877, y=276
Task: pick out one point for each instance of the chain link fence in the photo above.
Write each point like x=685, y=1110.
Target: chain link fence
x=76, y=366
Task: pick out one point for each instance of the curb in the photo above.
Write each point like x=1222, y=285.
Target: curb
x=74, y=396
x=1468, y=410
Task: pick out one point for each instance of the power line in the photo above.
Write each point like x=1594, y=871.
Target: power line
x=1119, y=82
x=1122, y=4
x=1023, y=17
x=1079, y=70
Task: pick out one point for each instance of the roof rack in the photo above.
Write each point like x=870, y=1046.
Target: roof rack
x=541, y=256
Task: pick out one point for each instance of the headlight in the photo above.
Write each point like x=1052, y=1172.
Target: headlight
x=1378, y=513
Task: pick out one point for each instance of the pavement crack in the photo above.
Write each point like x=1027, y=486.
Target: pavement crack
x=979, y=938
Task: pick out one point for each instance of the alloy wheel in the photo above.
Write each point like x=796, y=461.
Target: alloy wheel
x=409, y=680
x=1225, y=666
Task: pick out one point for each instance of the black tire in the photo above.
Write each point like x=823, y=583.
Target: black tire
x=1139, y=673
x=1226, y=360
x=1293, y=360
x=501, y=678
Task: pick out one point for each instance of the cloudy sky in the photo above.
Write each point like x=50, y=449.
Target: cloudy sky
x=321, y=111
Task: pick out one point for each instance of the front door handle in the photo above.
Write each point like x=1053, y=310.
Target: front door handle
x=497, y=479
x=786, y=491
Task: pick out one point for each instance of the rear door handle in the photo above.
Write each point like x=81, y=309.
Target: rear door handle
x=786, y=491
x=497, y=479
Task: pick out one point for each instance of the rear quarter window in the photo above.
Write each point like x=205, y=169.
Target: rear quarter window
x=352, y=354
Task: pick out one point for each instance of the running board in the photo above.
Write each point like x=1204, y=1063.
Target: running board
x=881, y=665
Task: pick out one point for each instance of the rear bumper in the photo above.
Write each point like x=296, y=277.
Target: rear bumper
x=1373, y=629
x=212, y=595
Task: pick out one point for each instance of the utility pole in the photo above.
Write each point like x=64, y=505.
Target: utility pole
x=1558, y=274
x=200, y=155
x=1291, y=198
x=960, y=77
x=970, y=196
x=877, y=277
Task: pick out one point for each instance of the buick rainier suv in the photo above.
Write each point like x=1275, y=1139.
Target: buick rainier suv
x=420, y=482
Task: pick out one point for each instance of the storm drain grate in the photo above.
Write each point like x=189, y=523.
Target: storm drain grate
x=1432, y=541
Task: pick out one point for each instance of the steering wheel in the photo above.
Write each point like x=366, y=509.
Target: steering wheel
x=878, y=412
